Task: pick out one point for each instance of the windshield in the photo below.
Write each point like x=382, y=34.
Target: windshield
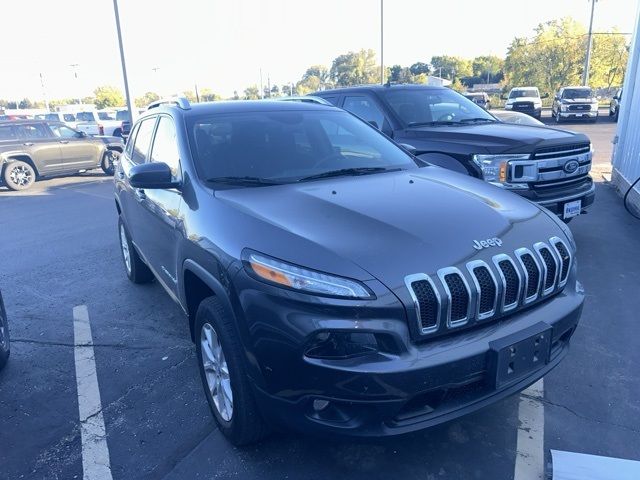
x=84, y=116
x=106, y=116
x=51, y=116
x=434, y=106
x=527, y=92
x=289, y=146
x=573, y=93
x=123, y=115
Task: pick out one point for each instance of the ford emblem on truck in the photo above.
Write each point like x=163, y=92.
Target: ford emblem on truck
x=571, y=166
x=489, y=242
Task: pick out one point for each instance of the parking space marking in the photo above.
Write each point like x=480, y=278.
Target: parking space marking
x=530, y=442
x=95, y=451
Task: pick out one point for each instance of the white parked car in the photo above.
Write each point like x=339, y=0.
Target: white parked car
x=66, y=117
x=99, y=122
x=526, y=100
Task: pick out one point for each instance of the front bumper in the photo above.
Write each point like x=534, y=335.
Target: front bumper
x=534, y=112
x=577, y=114
x=555, y=197
x=382, y=394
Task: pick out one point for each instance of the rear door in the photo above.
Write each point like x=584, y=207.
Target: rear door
x=43, y=148
x=160, y=208
x=78, y=152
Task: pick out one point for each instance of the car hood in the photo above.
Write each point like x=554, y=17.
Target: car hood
x=494, y=137
x=569, y=101
x=386, y=225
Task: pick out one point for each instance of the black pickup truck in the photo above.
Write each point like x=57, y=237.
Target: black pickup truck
x=546, y=165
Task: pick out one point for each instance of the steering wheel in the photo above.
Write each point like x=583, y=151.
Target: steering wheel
x=447, y=117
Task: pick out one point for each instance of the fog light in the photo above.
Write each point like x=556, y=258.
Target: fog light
x=319, y=404
x=340, y=345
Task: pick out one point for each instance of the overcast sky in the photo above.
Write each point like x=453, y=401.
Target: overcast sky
x=223, y=44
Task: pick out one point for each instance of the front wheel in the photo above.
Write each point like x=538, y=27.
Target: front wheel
x=224, y=376
x=108, y=161
x=19, y=175
x=136, y=269
x=558, y=118
x=4, y=335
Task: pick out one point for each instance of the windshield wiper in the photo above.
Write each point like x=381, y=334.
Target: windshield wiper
x=246, y=180
x=349, y=171
x=477, y=119
x=432, y=124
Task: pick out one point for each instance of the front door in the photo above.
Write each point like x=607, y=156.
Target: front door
x=78, y=151
x=160, y=208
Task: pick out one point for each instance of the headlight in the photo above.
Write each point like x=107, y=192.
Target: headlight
x=494, y=167
x=564, y=108
x=298, y=278
x=594, y=106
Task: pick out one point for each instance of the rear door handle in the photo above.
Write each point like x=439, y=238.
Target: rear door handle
x=28, y=144
x=140, y=195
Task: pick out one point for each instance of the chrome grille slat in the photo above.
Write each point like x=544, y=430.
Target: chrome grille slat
x=451, y=298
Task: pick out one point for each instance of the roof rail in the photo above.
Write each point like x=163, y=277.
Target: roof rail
x=306, y=99
x=180, y=102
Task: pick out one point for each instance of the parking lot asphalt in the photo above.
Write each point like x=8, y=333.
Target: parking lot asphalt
x=60, y=250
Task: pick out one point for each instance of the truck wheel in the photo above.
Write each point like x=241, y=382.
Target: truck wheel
x=136, y=269
x=108, y=159
x=19, y=175
x=558, y=117
x=224, y=376
x=4, y=336
x=615, y=115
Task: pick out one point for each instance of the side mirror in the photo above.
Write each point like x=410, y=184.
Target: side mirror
x=409, y=148
x=503, y=97
x=151, y=175
x=81, y=134
x=373, y=123
x=544, y=95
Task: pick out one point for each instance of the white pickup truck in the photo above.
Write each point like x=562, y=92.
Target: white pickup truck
x=99, y=122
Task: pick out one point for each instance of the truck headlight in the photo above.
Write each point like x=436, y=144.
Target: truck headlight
x=564, y=108
x=494, y=167
x=294, y=277
x=594, y=107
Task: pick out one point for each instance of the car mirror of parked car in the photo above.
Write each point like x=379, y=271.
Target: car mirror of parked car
x=503, y=97
x=154, y=175
x=544, y=95
x=81, y=134
x=373, y=123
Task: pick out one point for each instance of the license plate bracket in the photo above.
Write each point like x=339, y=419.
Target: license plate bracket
x=515, y=356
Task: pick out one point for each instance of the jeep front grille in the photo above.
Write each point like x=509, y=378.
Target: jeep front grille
x=488, y=289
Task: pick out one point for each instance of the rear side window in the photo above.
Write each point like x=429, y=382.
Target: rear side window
x=165, y=146
x=68, y=117
x=143, y=140
x=51, y=116
x=85, y=116
x=7, y=132
x=364, y=108
x=34, y=130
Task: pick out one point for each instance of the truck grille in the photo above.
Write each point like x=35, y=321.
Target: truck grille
x=485, y=291
x=522, y=106
x=562, y=151
x=576, y=108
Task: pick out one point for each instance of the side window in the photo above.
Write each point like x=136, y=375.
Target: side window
x=7, y=132
x=63, y=131
x=143, y=140
x=68, y=117
x=364, y=108
x=34, y=130
x=333, y=99
x=130, y=141
x=165, y=146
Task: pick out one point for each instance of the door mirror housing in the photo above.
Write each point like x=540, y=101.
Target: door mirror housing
x=503, y=97
x=153, y=175
x=373, y=123
x=80, y=134
x=409, y=148
x=544, y=95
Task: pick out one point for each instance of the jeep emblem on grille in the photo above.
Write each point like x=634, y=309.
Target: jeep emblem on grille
x=489, y=242
x=571, y=166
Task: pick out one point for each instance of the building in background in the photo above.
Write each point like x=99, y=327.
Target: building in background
x=626, y=149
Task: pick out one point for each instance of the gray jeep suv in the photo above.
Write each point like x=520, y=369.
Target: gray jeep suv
x=332, y=282
x=38, y=148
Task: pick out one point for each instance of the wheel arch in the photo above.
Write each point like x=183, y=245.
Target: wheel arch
x=22, y=157
x=449, y=162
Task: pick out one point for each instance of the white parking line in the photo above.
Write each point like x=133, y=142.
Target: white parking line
x=95, y=451
x=530, y=443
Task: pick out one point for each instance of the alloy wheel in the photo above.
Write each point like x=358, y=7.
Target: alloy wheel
x=216, y=371
x=21, y=175
x=125, y=249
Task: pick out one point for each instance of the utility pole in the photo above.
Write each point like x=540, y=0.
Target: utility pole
x=44, y=92
x=124, y=65
x=197, y=94
x=587, y=60
x=261, y=87
x=382, y=42
x=75, y=74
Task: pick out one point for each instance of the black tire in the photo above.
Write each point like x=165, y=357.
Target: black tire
x=557, y=117
x=108, y=159
x=18, y=175
x=117, y=132
x=4, y=335
x=245, y=424
x=136, y=269
x=615, y=115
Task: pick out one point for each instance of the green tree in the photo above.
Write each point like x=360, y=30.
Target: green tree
x=146, y=99
x=446, y=66
x=25, y=103
x=252, y=93
x=488, y=67
x=419, y=68
x=355, y=68
x=107, y=96
x=608, y=60
x=207, y=95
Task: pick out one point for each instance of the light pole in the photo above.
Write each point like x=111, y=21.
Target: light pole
x=124, y=65
x=75, y=74
x=587, y=60
x=44, y=93
x=381, y=41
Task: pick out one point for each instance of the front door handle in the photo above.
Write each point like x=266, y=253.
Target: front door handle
x=140, y=195
x=28, y=144
x=64, y=141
